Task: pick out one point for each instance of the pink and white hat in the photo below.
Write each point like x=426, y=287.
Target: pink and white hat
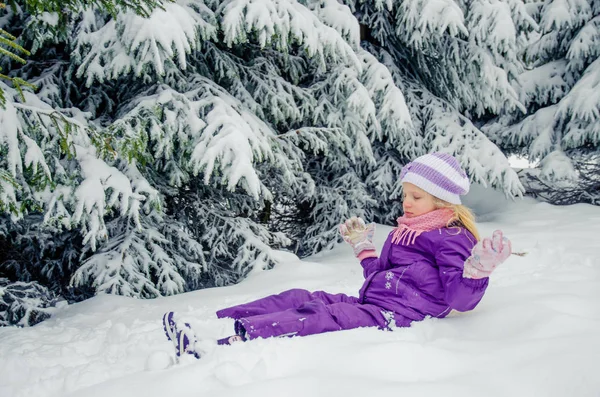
x=439, y=174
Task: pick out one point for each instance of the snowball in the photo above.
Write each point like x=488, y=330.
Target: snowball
x=157, y=360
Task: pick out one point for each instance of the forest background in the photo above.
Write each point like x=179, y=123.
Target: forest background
x=150, y=147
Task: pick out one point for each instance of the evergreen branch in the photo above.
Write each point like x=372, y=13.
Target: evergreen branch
x=55, y=117
x=10, y=205
x=5, y=33
x=49, y=113
x=9, y=40
x=141, y=7
x=64, y=137
x=7, y=177
x=10, y=54
x=18, y=83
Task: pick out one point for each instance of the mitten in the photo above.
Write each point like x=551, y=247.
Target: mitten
x=358, y=235
x=487, y=255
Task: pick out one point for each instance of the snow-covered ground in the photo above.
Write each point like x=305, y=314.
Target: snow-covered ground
x=536, y=332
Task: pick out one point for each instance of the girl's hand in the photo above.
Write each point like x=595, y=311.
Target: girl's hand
x=357, y=234
x=487, y=255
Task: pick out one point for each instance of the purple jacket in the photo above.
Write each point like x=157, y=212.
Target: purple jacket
x=414, y=281
x=425, y=278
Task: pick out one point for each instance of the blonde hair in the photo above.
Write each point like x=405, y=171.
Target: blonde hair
x=462, y=215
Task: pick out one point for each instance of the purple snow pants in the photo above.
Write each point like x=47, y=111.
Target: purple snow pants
x=300, y=312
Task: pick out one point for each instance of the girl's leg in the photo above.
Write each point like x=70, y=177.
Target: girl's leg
x=313, y=317
x=231, y=339
x=290, y=299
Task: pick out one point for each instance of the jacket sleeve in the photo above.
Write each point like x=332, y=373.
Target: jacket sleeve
x=460, y=293
x=373, y=263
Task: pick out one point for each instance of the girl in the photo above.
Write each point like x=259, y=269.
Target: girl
x=430, y=264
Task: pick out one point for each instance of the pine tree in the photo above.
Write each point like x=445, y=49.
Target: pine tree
x=454, y=62
x=167, y=148
x=561, y=127
x=186, y=145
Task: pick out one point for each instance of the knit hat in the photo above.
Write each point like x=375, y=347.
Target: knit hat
x=439, y=174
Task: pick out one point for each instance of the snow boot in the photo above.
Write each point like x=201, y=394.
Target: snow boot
x=183, y=337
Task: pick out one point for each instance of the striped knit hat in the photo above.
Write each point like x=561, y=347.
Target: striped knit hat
x=439, y=174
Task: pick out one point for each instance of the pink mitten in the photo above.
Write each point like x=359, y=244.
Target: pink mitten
x=358, y=235
x=487, y=255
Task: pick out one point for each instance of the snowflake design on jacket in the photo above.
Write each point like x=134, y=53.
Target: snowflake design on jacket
x=388, y=285
x=389, y=275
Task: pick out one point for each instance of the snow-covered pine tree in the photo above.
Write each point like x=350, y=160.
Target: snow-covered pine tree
x=23, y=303
x=454, y=61
x=560, y=90
x=58, y=183
x=188, y=131
x=9, y=49
x=200, y=133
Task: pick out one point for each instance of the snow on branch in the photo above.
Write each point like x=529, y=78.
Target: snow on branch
x=238, y=245
x=491, y=24
x=392, y=111
x=259, y=85
x=146, y=262
x=69, y=180
x=424, y=20
x=535, y=131
x=10, y=128
x=339, y=17
x=100, y=180
x=232, y=141
x=544, y=84
x=557, y=166
x=114, y=269
x=585, y=46
x=563, y=14
x=496, y=93
x=583, y=101
x=483, y=161
x=131, y=43
x=316, y=140
x=204, y=130
x=282, y=24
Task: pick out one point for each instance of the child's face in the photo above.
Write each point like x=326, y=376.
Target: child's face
x=416, y=201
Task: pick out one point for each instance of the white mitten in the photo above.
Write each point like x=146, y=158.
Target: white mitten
x=487, y=255
x=358, y=235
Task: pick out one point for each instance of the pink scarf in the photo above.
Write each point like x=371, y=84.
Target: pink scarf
x=410, y=228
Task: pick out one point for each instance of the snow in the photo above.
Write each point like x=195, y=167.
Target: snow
x=561, y=14
x=9, y=135
x=439, y=15
x=519, y=162
x=534, y=333
x=338, y=16
x=492, y=24
x=583, y=101
x=543, y=84
x=283, y=23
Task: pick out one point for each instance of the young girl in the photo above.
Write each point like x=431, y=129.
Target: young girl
x=430, y=264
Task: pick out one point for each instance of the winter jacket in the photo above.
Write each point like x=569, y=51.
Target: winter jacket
x=424, y=278
x=405, y=284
